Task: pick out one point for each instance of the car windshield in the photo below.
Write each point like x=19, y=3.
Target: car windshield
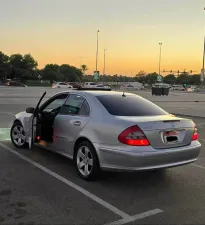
x=130, y=105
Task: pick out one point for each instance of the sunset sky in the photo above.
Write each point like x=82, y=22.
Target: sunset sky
x=63, y=31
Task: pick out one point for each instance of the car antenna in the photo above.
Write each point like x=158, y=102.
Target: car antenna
x=123, y=95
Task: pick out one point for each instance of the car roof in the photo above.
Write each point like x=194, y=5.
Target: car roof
x=97, y=93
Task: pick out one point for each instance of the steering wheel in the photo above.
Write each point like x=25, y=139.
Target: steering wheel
x=54, y=112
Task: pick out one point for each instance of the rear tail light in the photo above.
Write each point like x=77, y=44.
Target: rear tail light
x=195, y=135
x=8, y=83
x=133, y=136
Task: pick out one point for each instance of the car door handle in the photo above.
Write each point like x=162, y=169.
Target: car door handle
x=77, y=123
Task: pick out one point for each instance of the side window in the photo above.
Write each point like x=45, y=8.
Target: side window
x=73, y=105
x=85, y=109
x=55, y=103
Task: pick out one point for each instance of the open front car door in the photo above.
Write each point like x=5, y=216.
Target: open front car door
x=34, y=127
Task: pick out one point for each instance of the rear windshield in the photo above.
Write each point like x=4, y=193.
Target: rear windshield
x=130, y=106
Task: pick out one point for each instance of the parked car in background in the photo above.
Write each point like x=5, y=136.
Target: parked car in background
x=90, y=85
x=105, y=86
x=193, y=87
x=133, y=86
x=61, y=85
x=74, y=85
x=15, y=84
x=177, y=88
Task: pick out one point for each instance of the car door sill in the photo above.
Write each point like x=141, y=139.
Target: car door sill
x=48, y=148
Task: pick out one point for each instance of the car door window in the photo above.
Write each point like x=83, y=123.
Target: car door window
x=55, y=103
x=85, y=109
x=72, y=105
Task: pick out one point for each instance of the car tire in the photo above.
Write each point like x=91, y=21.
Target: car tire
x=18, y=127
x=85, y=154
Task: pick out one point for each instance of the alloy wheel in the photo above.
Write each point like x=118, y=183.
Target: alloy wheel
x=18, y=135
x=84, y=160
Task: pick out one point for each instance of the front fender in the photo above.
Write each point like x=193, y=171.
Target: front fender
x=26, y=121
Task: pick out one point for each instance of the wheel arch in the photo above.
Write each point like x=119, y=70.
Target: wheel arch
x=17, y=121
x=79, y=140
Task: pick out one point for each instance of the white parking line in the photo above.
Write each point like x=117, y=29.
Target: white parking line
x=12, y=114
x=199, y=166
x=136, y=217
x=5, y=134
x=126, y=218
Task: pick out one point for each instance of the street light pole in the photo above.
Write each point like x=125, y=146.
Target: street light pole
x=104, y=66
x=104, y=63
x=96, y=68
x=202, y=71
x=160, y=54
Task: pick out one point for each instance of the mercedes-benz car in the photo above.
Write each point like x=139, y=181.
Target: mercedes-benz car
x=107, y=130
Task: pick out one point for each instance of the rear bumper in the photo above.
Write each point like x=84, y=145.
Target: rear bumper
x=115, y=160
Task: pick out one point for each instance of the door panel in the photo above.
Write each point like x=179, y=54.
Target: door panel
x=72, y=118
x=66, y=128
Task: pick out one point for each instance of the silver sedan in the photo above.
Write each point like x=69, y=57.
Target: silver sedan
x=107, y=130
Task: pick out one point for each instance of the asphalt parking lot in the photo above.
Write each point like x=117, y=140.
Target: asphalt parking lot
x=39, y=187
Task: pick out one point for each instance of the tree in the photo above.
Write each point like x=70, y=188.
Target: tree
x=5, y=66
x=23, y=66
x=151, y=78
x=70, y=73
x=195, y=79
x=170, y=79
x=183, y=79
x=84, y=68
x=52, y=73
x=141, y=77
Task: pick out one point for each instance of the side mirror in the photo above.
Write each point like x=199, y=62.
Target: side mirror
x=30, y=110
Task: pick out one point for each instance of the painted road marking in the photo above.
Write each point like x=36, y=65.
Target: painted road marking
x=199, y=166
x=12, y=114
x=5, y=134
x=136, y=217
x=105, y=204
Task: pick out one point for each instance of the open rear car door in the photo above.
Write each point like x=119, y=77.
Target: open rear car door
x=33, y=125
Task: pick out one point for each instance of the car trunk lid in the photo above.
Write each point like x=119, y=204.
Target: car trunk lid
x=164, y=131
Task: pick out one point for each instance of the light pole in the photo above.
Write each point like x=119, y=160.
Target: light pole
x=202, y=71
x=160, y=54
x=96, y=68
x=203, y=62
x=104, y=62
x=104, y=65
